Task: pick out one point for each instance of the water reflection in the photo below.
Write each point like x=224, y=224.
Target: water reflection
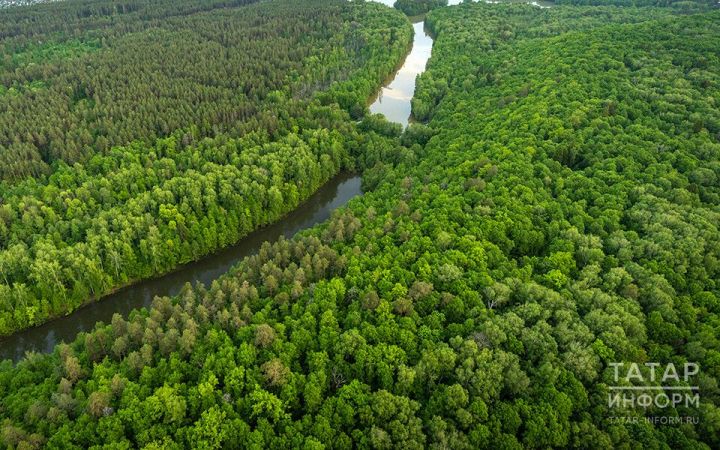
x=539, y=4
x=390, y=3
x=393, y=100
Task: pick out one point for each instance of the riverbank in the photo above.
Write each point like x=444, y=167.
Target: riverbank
x=393, y=100
x=316, y=209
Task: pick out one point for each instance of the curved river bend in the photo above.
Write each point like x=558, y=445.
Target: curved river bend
x=393, y=101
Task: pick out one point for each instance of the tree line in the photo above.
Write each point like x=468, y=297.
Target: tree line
x=418, y=7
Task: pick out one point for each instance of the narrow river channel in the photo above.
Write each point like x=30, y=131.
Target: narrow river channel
x=393, y=101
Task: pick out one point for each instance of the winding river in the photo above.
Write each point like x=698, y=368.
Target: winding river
x=393, y=101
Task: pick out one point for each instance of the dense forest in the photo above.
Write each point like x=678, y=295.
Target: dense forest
x=108, y=87
x=417, y=7
x=13, y=3
x=251, y=96
x=556, y=212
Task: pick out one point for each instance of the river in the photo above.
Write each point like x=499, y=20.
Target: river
x=393, y=101
x=335, y=193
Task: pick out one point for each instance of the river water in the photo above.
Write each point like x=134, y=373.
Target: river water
x=335, y=193
x=393, y=101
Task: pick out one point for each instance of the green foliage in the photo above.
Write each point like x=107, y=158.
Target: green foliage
x=681, y=5
x=225, y=71
x=418, y=7
x=559, y=212
x=141, y=209
x=47, y=53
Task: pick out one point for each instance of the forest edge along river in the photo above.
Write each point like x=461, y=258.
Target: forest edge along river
x=318, y=208
x=393, y=101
